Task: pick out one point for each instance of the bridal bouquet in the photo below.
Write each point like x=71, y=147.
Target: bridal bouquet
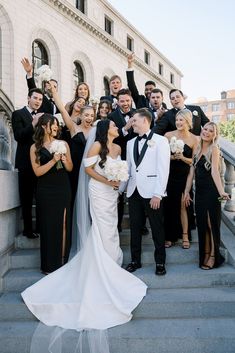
x=44, y=73
x=58, y=147
x=116, y=170
x=176, y=146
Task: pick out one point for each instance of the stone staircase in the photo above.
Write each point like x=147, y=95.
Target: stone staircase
x=186, y=311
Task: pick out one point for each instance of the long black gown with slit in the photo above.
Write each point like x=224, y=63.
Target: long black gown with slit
x=77, y=146
x=53, y=198
x=172, y=203
x=207, y=204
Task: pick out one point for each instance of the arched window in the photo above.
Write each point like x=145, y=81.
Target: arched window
x=106, y=86
x=78, y=74
x=39, y=54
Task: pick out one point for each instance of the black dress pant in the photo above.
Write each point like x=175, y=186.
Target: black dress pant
x=138, y=206
x=27, y=187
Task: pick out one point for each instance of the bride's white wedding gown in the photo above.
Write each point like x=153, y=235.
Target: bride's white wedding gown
x=91, y=291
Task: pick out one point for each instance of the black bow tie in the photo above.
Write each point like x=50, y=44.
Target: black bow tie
x=125, y=114
x=33, y=112
x=139, y=138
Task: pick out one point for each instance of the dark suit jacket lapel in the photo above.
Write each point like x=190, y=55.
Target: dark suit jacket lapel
x=27, y=114
x=122, y=118
x=135, y=151
x=144, y=149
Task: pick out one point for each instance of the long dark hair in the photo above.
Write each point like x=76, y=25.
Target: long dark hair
x=102, y=138
x=104, y=101
x=71, y=105
x=88, y=88
x=40, y=133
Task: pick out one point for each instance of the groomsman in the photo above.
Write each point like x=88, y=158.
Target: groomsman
x=115, y=84
x=167, y=122
x=23, y=124
x=156, y=105
x=140, y=100
x=122, y=117
x=48, y=104
x=148, y=158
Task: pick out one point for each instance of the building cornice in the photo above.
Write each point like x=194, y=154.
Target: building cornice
x=80, y=19
x=139, y=34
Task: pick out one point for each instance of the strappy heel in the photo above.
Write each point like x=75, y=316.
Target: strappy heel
x=185, y=242
x=208, y=267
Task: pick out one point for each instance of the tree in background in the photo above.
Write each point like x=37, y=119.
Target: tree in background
x=227, y=130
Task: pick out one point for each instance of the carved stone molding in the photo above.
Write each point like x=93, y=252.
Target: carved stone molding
x=83, y=21
x=7, y=145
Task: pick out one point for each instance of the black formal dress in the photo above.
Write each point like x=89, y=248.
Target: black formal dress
x=53, y=199
x=172, y=203
x=167, y=121
x=207, y=204
x=23, y=133
x=77, y=146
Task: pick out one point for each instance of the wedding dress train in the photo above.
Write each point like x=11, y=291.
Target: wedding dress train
x=91, y=291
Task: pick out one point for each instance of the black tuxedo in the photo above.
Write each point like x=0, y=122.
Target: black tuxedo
x=167, y=122
x=23, y=133
x=140, y=100
x=120, y=122
x=47, y=105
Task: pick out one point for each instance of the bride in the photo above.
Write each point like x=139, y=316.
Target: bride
x=91, y=291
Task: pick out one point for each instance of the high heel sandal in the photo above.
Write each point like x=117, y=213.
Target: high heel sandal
x=208, y=267
x=186, y=242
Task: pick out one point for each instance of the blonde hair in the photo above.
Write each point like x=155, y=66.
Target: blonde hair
x=186, y=114
x=214, y=143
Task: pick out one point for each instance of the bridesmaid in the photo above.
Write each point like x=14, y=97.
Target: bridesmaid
x=79, y=135
x=83, y=91
x=53, y=196
x=208, y=196
x=74, y=111
x=104, y=109
x=176, y=216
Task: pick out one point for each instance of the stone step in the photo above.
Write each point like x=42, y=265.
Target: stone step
x=158, y=304
x=214, y=335
x=178, y=276
x=30, y=258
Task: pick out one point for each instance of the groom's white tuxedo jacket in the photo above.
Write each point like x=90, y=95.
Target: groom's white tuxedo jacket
x=148, y=173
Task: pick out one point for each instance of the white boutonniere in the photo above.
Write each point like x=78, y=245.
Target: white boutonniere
x=195, y=113
x=151, y=143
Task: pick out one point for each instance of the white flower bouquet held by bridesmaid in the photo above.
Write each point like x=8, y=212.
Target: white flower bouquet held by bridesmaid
x=116, y=170
x=176, y=146
x=58, y=147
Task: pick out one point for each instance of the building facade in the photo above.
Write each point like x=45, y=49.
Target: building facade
x=81, y=40
x=220, y=110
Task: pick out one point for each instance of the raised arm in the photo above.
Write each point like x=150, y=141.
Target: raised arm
x=130, y=79
x=28, y=67
x=67, y=119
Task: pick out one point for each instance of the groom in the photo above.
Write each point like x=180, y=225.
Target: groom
x=148, y=158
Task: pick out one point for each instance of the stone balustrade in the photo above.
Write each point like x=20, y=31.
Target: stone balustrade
x=228, y=151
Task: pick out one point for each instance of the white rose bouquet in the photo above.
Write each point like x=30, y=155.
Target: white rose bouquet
x=44, y=73
x=58, y=147
x=94, y=100
x=176, y=146
x=116, y=170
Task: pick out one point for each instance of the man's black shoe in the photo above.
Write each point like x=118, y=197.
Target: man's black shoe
x=133, y=266
x=31, y=235
x=144, y=231
x=160, y=269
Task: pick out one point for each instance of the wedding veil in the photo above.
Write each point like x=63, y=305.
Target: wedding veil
x=53, y=339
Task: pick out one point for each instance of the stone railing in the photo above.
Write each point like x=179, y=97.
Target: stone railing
x=228, y=151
